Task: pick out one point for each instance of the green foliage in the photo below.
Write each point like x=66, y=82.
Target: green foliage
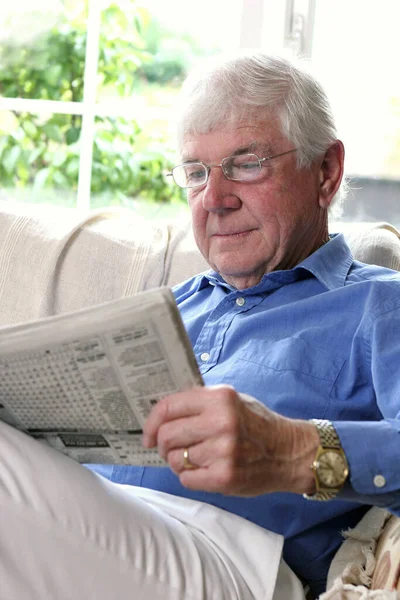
x=125, y=159
x=39, y=153
x=52, y=69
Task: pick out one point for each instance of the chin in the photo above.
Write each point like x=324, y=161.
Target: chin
x=232, y=265
x=235, y=276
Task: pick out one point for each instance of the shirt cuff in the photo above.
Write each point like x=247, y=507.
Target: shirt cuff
x=372, y=451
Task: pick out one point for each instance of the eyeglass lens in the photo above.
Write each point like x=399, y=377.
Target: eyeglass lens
x=242, y=167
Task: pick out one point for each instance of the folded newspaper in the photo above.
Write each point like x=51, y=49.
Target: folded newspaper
x=85, y=382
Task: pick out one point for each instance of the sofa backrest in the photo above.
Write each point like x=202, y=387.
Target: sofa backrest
x=54, y=260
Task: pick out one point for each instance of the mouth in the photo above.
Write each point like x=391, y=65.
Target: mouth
x=232, y=234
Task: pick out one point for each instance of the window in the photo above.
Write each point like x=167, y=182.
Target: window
x=86, y=96
x=355, y=54
x=87, y=87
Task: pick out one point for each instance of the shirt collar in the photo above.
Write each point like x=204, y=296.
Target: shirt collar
x=329, y=264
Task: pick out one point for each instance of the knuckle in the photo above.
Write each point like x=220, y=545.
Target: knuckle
x=227, y=477
x=164, y=437
x=227, y=393
x=229, y=446
x=227, y=403
x=163, y=408
x=229, y=420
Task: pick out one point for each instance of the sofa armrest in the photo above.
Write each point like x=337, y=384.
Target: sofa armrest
x=367, y=565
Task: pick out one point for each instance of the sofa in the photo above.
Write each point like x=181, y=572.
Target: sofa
x=55, y=260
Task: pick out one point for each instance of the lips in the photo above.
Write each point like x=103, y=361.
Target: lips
x=231, y=233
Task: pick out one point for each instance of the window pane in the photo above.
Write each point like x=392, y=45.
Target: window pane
x=355, y=51
x=42, y=49
x=39, y=157
x=129, y=166
x=146, y=50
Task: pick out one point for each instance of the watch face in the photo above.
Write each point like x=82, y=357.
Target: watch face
x=332, y=469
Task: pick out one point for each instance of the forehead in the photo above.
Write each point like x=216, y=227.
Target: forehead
x=261, y=137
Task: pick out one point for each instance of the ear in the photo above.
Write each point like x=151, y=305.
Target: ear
x=331, y=173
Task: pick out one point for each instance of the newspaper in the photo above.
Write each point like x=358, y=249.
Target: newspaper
x=85, y=382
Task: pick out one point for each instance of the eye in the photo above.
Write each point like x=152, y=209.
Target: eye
x=195, y=175
x=243, y=167
x=246, y=162
x=249, y=165
x=194, y=172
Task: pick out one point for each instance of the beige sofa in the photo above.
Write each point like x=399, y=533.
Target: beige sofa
x=56, y=260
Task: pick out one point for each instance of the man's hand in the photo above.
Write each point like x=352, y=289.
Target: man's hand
x=239, y=446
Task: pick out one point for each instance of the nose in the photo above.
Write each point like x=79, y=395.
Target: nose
x=219, y=193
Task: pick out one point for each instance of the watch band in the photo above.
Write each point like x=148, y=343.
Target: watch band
x=327, y=434
x=329, y=439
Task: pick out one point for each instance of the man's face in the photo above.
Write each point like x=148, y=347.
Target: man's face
x=247, y=229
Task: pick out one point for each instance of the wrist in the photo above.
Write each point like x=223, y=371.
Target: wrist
x=305, y=445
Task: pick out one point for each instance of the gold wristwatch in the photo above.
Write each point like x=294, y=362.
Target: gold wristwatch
x=330, y=465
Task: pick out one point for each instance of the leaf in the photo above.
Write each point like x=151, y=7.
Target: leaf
x=59, y=157
x=60, y=179
x=10, y=157
x=72, y=168
x=22, y=172
x=52, y=132
x=52, y=74
x=72, y=135
x=3, y=144
x=35, y=153
x=41, y=178
x=30, y=129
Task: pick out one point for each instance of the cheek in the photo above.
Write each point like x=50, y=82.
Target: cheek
x=193, y=201
x=199, y=215
x=199, y=220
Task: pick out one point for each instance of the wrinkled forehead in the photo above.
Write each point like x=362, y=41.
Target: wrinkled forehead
x=201, y=119
x=261, y=137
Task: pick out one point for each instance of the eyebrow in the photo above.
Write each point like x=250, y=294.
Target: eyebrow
x=251, y=148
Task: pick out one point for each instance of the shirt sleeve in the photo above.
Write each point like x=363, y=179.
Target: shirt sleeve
x=373, y=448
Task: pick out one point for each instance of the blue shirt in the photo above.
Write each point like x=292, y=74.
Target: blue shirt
x=321, y=340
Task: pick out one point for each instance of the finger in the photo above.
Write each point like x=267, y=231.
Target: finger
x=183, y=404
x=181, y=433
x=178, y=463
x=207, y=452
x=169, y=408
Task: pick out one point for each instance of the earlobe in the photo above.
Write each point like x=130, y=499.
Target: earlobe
x=325, y=197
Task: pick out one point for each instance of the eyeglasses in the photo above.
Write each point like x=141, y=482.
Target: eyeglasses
x=242, y=167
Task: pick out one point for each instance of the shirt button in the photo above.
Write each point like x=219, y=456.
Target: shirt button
x=205, y=356
x=240, y=301
x=379, y=481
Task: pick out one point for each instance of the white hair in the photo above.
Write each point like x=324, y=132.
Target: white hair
x=257, y=85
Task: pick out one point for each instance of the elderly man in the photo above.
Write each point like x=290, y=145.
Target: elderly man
x=284, y=316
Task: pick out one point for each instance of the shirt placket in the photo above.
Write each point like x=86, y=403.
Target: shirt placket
x=211, y=338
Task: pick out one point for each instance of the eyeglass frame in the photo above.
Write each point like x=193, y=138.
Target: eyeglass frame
x=221, y=165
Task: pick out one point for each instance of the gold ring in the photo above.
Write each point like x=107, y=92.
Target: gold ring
x=187, y=464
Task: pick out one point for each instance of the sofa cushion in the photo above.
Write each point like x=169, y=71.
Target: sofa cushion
x=54, y=260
